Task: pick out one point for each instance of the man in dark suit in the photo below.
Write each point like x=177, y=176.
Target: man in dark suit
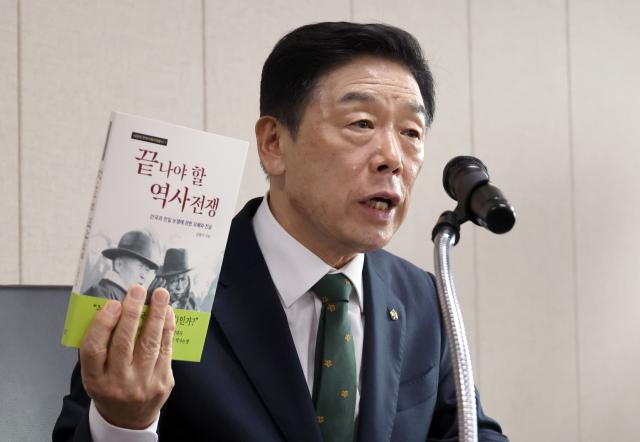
x=316, y=333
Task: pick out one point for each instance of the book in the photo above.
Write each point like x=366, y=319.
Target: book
x=160, y=217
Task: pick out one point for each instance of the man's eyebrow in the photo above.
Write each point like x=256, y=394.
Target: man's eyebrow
x=418, y=109
x=364, y=97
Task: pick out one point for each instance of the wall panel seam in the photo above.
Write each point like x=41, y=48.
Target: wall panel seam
x=572, y=184
x=19, y=136
x=474, y=236
x=205, y=97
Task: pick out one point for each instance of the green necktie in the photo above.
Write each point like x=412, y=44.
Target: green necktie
x=334, y=387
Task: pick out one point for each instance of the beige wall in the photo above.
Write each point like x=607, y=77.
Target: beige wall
x=9, y=144
x=525, y=284
x=544, y=92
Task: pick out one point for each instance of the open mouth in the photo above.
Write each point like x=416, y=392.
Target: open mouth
x=380, y=203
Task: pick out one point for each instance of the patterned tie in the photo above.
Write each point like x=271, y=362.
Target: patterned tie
x=334, y=387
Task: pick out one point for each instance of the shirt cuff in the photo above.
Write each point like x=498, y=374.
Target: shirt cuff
x=103, y=431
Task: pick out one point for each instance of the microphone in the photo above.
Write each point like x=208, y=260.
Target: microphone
x=466, y=180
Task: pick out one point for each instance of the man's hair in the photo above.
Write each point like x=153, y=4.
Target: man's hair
x=300, y=58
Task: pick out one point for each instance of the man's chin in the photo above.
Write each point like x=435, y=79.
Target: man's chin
x=375, y=242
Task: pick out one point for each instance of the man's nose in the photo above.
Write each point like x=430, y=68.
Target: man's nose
x=388, y=158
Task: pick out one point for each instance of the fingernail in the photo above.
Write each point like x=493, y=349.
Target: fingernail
x=138, y=292
x=160, y=297
x=112, y=307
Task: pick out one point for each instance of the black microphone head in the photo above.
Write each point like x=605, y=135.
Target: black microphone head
x=489, y=208
x=462, y=174
x=501, y=218
x=466, y=180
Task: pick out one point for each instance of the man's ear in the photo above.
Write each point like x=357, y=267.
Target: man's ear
x=269, y=137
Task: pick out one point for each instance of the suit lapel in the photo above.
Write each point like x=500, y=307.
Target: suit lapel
x=249, y=312
x=382, y=355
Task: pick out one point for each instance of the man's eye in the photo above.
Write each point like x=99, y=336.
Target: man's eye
x=363, y=124
x=411, y=133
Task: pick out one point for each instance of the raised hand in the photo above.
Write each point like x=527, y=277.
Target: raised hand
x=129, y=379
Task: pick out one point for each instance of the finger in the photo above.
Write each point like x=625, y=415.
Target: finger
x=95, y=344
x=123, y=340
x=163, y=365
x=148, y=346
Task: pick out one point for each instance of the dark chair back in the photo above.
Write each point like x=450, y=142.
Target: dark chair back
x=34, y=367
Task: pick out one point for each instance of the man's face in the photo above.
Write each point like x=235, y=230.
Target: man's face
x=347, y=176
x=131, y=270
x=177, y=285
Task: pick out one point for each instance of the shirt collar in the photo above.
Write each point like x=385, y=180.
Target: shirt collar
x=294, y=268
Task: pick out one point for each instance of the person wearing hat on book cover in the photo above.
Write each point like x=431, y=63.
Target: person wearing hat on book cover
x=174, y=276
x=132, y=261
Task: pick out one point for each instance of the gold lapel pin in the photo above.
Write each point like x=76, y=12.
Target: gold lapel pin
x=393, y=314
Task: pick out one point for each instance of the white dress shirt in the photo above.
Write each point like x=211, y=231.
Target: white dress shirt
x=294, y=270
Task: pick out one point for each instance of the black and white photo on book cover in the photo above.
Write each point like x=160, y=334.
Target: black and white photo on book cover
x=142, y=256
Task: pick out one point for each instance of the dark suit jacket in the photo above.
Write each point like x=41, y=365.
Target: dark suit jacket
x=249, y=385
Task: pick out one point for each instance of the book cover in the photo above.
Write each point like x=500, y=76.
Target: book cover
x=164, y=199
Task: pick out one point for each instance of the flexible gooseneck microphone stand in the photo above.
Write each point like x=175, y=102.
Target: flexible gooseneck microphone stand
x=466, y=180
